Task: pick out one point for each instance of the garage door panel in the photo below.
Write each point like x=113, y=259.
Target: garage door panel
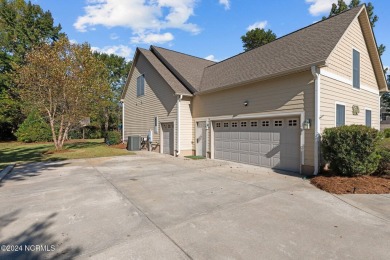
x=265, y=148
x=254, y=136
x=254, y=147
x=226, y=145
x=218, y=145
x=254, y=159
x=244, y=147
x=226, y=155
x=275, y=137
x=244, y=136
x=235, y=156
x=267, y=143
x=265, y=162
x=244, y=158
x=265, y=136
x=234, y=135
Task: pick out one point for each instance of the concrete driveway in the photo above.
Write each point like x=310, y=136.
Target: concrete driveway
x=152, y=206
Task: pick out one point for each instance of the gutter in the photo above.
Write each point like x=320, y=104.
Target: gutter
x=123, y=120
x=317, y=123
x=179, y=98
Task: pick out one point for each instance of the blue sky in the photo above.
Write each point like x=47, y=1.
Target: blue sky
x=204, y=28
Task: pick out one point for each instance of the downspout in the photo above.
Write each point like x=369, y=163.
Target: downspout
x=179, y=98
x=317, y=137
x=123, y=120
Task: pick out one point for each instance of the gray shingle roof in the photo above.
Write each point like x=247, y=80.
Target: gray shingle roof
x=188, y=69
x=172, y=81
x=308, y=46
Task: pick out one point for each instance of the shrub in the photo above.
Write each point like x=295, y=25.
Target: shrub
x=34, y=129
x=113, y=137
x=384, y=163
x=386, y=133
x=351, y=150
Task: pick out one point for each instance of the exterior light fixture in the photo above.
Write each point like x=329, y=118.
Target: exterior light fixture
x=246, y=103
x=306, y=124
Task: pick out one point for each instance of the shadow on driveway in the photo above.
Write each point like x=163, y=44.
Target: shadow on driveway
x=35, y=242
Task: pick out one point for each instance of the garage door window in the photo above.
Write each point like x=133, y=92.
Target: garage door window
x=292, y=122
x=278, y=123
x=265, y=123
x=225, y=124
x=254, y=124
x=218, y=124
x=243, y=124
x=234, y=124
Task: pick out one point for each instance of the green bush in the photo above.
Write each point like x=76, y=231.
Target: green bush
x=386, y=133
x=351, y=150
x=384, y=152
x=34, y=129
x=113, y=137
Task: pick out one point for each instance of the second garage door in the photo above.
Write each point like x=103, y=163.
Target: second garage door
x=272, y=143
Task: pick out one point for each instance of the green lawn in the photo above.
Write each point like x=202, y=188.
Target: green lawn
x=16, y=152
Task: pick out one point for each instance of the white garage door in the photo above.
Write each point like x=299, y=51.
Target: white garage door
x=272, y=143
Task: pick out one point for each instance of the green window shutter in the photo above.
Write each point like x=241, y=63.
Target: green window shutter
x=356, y=69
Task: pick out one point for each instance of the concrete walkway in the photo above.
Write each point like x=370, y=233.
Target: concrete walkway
x=152, y=206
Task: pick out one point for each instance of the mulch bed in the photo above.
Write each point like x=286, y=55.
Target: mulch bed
x=119, y=146
x=348, y=185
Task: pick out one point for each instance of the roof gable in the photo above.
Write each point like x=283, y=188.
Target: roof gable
x=188, y=69
x=369, y=37
x=291, y=53
x=168, y=77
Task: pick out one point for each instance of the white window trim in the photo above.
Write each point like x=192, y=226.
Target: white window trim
x=335, y=112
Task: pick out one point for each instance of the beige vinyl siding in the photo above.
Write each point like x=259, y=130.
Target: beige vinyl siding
x=340, y=60
x=293, y=93
x=186, y=130
x=159, y=100
x=333, y=91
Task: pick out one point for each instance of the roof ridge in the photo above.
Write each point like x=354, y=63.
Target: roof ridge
x=359, y=6
x=154, y=46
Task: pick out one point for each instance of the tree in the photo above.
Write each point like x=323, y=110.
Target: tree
x=256, y=38
x=341, y=6
x=118, y=69
x=22, y=25
x=64, y=82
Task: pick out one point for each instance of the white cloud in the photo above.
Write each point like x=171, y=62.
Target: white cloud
x=139, y=15
x=120, y=50
x=225, y=3
x=114, y=36
x=72, y=41
x=260, y=25
x=212, y=58
x=318, y=7
x=152, y=38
